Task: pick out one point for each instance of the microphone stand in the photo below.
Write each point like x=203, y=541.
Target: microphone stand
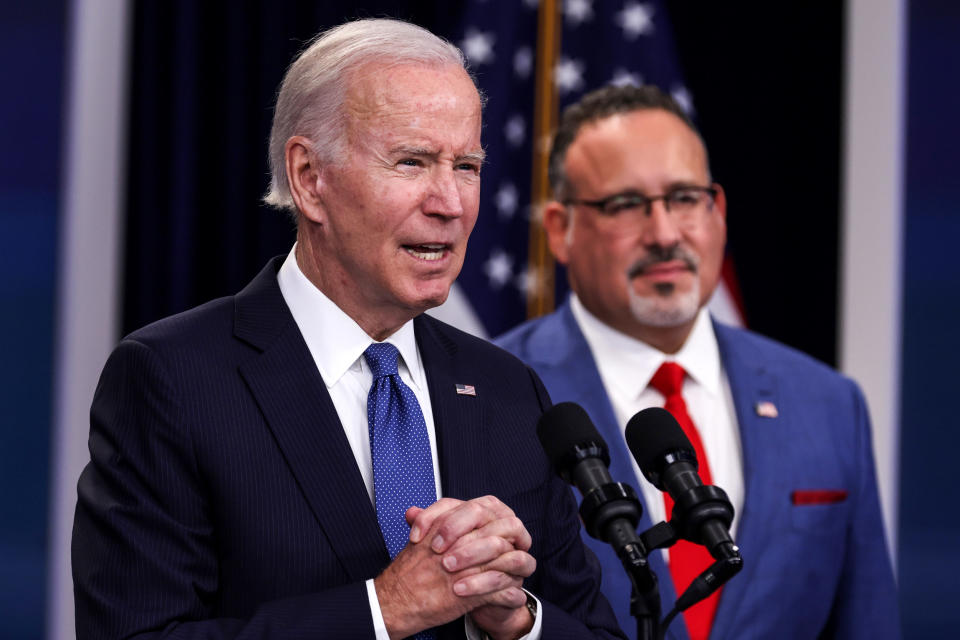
x=644, y=593
x=611, y=513
x=708, y=506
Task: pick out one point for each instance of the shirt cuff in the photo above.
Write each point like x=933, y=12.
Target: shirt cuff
x=475, y=633
x=379, y=626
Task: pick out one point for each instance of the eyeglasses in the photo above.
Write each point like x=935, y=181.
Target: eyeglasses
x=685, y=204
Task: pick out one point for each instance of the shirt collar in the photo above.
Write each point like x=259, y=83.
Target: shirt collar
x=629, y=364
x=334, y=339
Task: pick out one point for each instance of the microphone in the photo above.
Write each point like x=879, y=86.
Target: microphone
x=610, y=510
x=702, y=513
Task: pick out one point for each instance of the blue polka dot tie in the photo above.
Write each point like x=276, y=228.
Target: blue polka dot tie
x=402, y=463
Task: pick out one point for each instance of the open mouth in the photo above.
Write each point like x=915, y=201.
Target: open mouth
x=429, y=252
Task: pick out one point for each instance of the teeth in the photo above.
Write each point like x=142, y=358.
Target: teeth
x=426, y=251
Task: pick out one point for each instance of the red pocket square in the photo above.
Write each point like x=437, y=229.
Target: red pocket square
x=818, y=496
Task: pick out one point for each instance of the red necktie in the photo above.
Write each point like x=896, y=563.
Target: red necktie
x=687, y=560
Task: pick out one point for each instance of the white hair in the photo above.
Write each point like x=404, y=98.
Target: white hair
x=311, y=96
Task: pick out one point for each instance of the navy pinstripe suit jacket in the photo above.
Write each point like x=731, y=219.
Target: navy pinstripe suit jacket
x=222, y=499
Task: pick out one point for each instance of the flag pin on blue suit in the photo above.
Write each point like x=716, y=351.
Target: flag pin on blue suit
x=766, y=409
x=466, y=390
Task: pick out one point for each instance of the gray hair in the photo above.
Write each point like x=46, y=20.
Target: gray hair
x=599, y=105
x=311, y=97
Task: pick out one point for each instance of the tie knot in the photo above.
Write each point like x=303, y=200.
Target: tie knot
x=668, y=379
x=382, y=358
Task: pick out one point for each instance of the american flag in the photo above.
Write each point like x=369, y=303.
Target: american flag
x=602, y=42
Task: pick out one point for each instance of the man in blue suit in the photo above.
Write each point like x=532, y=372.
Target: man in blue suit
x=641, y=228
x=268, y=465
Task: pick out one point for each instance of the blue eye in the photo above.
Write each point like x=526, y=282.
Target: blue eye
x=467, y=166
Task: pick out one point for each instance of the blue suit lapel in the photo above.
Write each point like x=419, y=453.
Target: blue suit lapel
x=566, y=365
x=298, y=410
x=750, y=383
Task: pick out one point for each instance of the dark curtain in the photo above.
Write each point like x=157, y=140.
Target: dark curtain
x=766, y=87
x=203, y=80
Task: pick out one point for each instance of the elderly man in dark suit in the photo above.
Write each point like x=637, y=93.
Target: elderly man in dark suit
x=269, y=465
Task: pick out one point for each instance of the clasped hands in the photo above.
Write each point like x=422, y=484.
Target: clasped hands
x=462, y=558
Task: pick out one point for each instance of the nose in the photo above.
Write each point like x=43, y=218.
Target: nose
x=661, y=227
x=443, y=197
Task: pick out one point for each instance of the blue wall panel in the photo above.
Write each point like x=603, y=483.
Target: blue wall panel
x=930, y=434
x=31, y=74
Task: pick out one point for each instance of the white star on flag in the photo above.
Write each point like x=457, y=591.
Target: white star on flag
x=527, y=281
x=498, y=268
x=515, y=130
x=478, y=46
x=506, y=200
x=635, y=19
x=578, y=11
x=622, y=78
x=523, y=62
x=683, y=98
x=568, y=75
x=531, y=4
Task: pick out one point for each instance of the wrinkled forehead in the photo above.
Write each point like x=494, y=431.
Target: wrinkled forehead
x=381, y=89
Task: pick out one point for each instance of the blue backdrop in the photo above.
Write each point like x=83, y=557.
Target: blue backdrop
x=929, y=518
x=31, y=74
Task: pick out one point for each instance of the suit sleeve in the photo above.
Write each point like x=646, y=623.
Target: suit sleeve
x=144, y=551
x=865, y=605
x=568, y=584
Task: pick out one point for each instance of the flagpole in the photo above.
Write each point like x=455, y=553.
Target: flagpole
x=540, y=295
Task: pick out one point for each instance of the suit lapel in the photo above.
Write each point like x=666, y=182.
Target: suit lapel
x=750, y=383
x=299, y=412
x=457, y=418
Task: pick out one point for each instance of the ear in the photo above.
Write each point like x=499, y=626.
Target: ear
x=557, y=219
x=305, y=177
x=720, y=202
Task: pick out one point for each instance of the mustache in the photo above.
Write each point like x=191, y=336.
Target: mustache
x=657, y=254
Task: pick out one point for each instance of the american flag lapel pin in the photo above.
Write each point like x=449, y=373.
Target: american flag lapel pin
x=766, y=409
x=466, y=390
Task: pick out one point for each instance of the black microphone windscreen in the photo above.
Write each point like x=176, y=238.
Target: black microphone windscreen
x=563, y=427
x=653, y=433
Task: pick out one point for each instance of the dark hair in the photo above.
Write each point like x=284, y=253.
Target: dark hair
x=598, y=105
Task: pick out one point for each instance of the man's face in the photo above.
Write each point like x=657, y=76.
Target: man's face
x=401, y=202
x=643, y=275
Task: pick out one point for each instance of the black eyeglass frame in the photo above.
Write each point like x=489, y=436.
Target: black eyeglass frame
x=643, y=200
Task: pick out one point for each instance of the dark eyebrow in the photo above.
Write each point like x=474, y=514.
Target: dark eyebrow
x=673, y=186
x=683, y=184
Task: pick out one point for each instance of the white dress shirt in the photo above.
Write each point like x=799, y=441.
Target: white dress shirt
x=336, y=343
x=626, y=367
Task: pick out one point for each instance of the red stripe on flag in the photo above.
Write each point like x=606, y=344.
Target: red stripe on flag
x=729, y=276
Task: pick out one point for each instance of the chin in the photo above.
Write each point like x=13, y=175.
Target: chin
x=674, y=310
x=429, y=297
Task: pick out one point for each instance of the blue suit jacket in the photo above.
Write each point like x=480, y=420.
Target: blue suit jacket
x=223, y=500
x=808, y=570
